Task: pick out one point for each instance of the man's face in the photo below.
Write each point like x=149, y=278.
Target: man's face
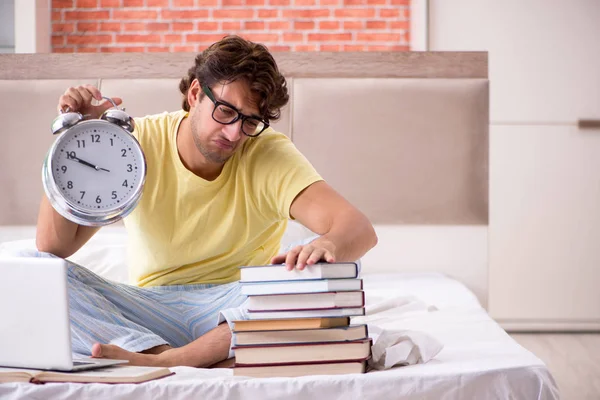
x=215, y=141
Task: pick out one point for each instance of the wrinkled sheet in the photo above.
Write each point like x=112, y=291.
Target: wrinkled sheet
x=478, y=359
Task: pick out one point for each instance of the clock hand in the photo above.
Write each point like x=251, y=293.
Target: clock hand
x=79, y=160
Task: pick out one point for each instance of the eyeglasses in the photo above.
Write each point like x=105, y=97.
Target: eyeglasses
x=226, y=114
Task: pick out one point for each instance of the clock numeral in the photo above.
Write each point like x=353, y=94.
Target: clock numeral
x=71, y=154
x=114, y=194
x=125, y=183
x=123, y=153
x=129, y=167
x=111, y=142
x=98, y=200
x=70, y=185
x=82, y=194
x=63, y=168
x=96, y=138
x=80, y=144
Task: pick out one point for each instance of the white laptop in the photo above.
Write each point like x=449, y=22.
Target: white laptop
x=34, y=317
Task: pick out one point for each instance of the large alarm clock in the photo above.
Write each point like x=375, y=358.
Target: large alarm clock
x=95, y=170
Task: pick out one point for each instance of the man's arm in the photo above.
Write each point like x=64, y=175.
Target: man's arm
x=57, y=235
x=346, y=233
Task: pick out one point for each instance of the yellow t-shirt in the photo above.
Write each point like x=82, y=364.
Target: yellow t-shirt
x=189, y=230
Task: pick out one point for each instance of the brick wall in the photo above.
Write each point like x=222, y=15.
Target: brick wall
x=192, y=25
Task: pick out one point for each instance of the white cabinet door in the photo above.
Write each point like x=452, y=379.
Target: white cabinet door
x=545, y=225
x=544, y=55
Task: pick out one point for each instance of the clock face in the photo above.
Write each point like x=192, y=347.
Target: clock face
x=97, y=166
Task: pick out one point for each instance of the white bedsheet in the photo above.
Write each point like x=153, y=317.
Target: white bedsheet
x=478, y=361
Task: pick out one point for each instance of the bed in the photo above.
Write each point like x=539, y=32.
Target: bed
x=411, y=134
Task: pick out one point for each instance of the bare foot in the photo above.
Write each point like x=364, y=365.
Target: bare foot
x=116, y=353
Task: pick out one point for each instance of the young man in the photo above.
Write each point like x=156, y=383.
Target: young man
x=219, y=190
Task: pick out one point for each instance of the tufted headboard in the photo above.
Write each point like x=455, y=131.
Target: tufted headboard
x=403, y=136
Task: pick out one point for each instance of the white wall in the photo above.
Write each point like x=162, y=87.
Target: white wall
x=32, y=26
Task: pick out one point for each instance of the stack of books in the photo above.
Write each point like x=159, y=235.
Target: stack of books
x=299, y=322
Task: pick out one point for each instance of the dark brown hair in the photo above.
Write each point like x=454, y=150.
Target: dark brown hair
x=234, y=58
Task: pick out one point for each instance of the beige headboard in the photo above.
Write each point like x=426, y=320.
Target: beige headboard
x=403, y=136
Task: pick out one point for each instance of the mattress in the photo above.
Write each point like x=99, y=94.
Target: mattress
x=478, y=360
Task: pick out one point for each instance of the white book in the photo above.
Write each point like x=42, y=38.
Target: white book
x=278, y=272
x=313, y=286
x=306, y=301
x=332, y=312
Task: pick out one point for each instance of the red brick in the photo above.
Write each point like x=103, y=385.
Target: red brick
x=66, y=28
x=62, y=4
x=400, y=2
x=279, y=25
x=329, y=2
x=303, y=25
x=134, y=14
x=89, y=39
x=58, y=40
x=158, y=49
x=405, y=25
x=157, y=26
x=407, y=13
x=63, y=50
x=355, y=13
x=229, y=3
x=377, y=2
x=355, y=2
x=133, y=3
x=86, y=3
x=56, y=16
x=86, y=15
x=87, y=27
x=329, y=37
x=377, y=24
x=268, y=13
x=157, y=3
x=135, y=49
x=400, y=48
x=379, y=48
x=110, y=3
x=330, y=47
x=389, y=12
x=112, y=49
x=173, y=39
x=262, y=37
x=149, y=38
x=185, y=15
x=279, y=48
x=329, y=25
x=293, y=37
x=254, y=25
x=183, y=3
x=182, y=26
x=304, y=47
x=305, y=2
x=306, y=13
x=354, y=25
x=184, y=49
x=134, y=27
x=109, y=27
x=231, y=25
x=233, y=14
x=255, y=2
x=279, y=2
x=203, y=38
x=208, y=3
x=87, y=50
x=378, y=37
x=207, y=26
x=354, y=47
